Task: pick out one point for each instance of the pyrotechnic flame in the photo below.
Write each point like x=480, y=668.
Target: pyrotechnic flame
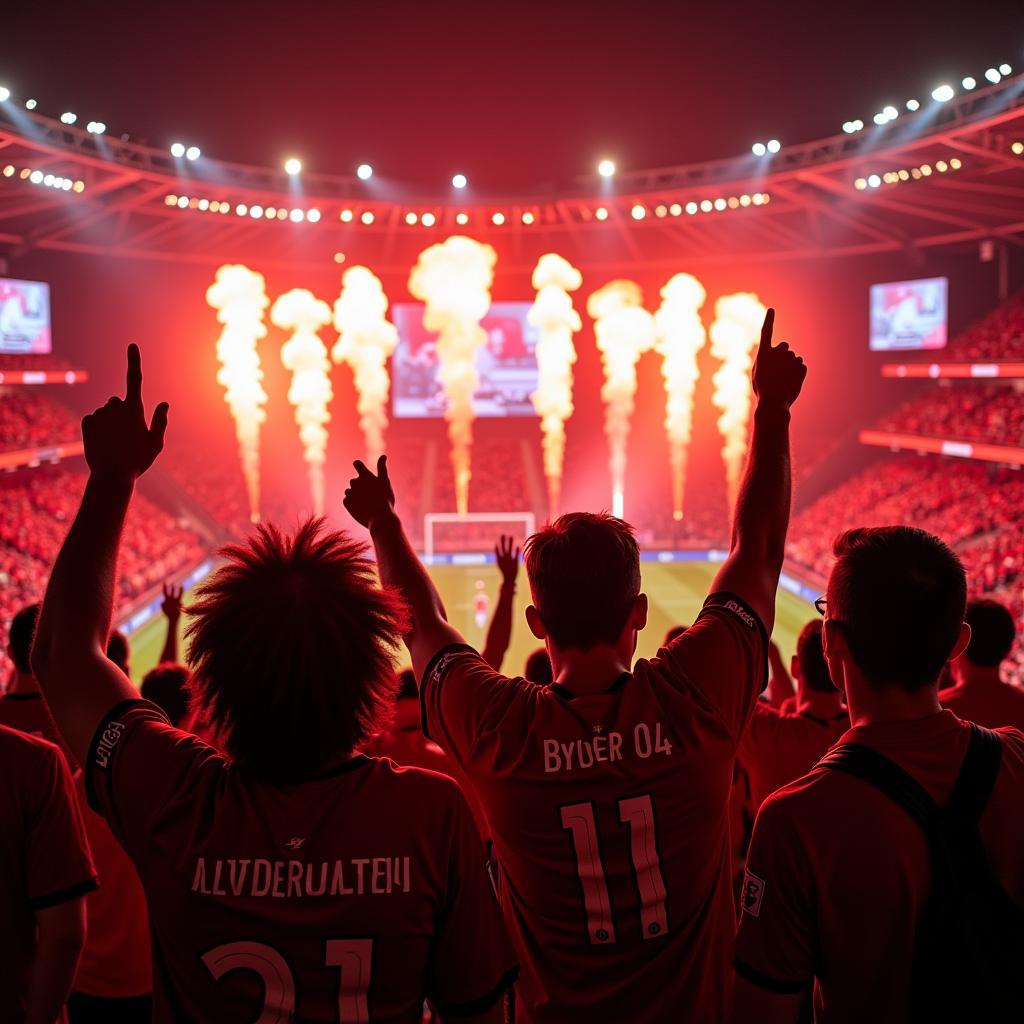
x=366, y=338
x=301, y=312
x=680, y=336
x=239, y=296
x=454, y=279
x=624, y=331
x=553, y=315
x=734, y=337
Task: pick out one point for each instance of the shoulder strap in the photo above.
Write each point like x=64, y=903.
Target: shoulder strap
x=886, y=776
x=977, y=776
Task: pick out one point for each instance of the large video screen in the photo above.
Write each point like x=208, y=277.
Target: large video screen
x=24, y=316
x=909, y=314
x=507, y=365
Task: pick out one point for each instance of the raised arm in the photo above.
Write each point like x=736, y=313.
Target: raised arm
x=370, y=500
x=761, y=516
x=171, y=607
x=69, y=654
x=499, y=633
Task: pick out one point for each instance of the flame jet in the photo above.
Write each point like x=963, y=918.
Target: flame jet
x=680, y=336
x=553, y=315
x=454, y=279
x=366, y=338
x=239, y=296
x=734, y=337
x=624, y=331
x=301, y=312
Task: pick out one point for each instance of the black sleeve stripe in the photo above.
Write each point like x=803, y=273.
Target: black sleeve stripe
x=431, y=665
x=484, y=1003
x=767, y=982
x=119, y=708
x=721, y=599
x=63, y=895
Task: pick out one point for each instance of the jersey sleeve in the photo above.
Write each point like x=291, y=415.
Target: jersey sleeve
x=58, y=865
x=775, y=944
x=462, y=698
x=473, y=964
x=724, y=657
x=138, y=766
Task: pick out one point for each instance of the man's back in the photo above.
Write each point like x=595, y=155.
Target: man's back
x=991, y=704
x=44, y=857
x=830, y=833
x=609, y=818
x=359, y=892
x=777, y=748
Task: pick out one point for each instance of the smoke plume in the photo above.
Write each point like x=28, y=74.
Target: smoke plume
x=366, y=338
x=624, y=331
x=734, y=337
x=301, y=312
x=239, y=296
x=680, y=336
x=454, y=279
x=556, y=320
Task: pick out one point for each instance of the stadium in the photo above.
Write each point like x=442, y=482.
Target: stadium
x=520, y=340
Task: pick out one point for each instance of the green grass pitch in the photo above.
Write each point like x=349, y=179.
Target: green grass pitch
x=676, y=592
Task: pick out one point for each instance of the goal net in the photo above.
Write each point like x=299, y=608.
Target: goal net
x=448, y=532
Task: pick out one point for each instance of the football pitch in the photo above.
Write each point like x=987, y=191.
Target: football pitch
x=676, y=591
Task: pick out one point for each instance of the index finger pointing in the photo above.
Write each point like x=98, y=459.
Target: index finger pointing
x=133, y=378
x=767, y=328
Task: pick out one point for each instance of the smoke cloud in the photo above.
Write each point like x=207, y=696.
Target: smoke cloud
x=239, y=296
x=453, y=279
x=624, y=331
x=301, y=312
x=680, y=336
x=556, y=320
x=366, y=338
x=734, y=337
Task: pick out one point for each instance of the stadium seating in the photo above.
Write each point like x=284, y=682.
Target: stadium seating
x=969, y=412
x=29, y=419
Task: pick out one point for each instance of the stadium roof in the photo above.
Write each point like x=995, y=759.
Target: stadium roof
x=952, y=172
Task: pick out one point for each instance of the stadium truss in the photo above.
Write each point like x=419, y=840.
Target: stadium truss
x=846, y=195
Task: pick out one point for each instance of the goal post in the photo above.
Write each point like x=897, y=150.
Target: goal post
x=451, y=531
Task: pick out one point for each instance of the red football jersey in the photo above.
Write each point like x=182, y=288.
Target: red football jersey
x=349, y=898
x=44, y=856
x=991, y=705
x=777, y=748
x=609, y=815
x=838, y=873
x=29, y=712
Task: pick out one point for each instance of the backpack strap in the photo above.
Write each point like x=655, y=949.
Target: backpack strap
x=886, y=776
x=977, y=776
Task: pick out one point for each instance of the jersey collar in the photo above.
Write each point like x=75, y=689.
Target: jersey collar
x=560, y=691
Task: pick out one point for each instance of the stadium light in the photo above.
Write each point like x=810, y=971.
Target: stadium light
x=192, y=153
x=498, y=219
x=606, y=168
x=367, y=217
x=411, y=218
x=1005, y=69
x=638, y=212
x=30, y=104
x=462, y=218
x=95, y=127
x=5, y=94
x=601, y=213
x=759, y=149
x=68, y=118
x=345, y=215
x=913, y=105
x=968, y=83
x=528, y=217
x=177, y=150
x=364, y=172
x=774, y=145
x=313, y=216
x=293, y=165
x=428, y=220
x=943, y=93
x=459, y=181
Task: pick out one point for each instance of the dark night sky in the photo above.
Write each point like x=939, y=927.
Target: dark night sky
x=515, y=94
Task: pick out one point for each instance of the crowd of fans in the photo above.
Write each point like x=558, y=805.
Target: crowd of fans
x=29, y=419
x=974, y=508
x=10, y=362
x=36, y=509
x=993, y=413
x=996, y=338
